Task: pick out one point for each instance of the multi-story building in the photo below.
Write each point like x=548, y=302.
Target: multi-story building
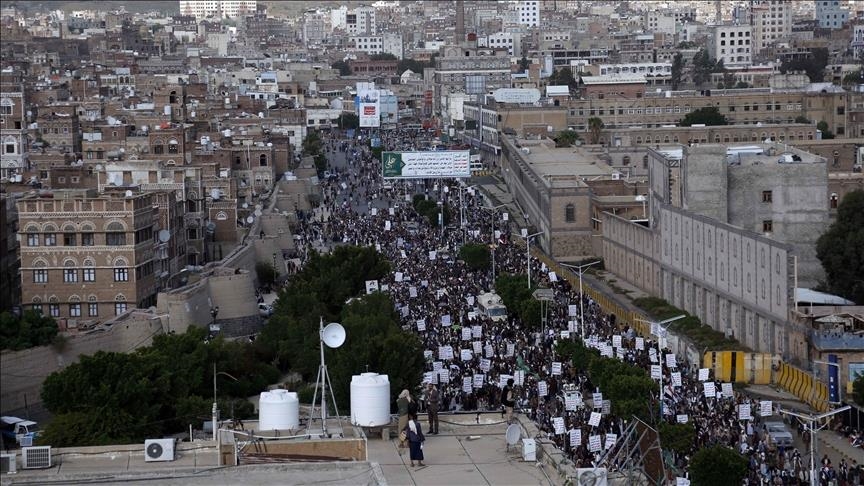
x=830, y=14
x=58, y=127
x=10, y=283
x=731, y=44
x=86, y=257
x=457, y=63
x=512, y=41
x=380, y=44
x=222, y=9
x=655, y=21
x=772, y=22
x=857, y=43
x=13, y=125
x=316, y=27
x=361, y=21
x=529, y=13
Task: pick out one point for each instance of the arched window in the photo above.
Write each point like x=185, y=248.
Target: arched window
x=158, y=146
x=115, y=234
x=221, y=216
x=625, y=160
x=645, y=162
x=262, y=160
x=570, y=213
x=173, y=146
x=834, y=199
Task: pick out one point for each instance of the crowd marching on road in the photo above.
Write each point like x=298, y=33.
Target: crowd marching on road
x=470, y=357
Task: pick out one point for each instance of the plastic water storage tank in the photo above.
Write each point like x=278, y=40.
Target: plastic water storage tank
x=370, y=400
x=278, y=410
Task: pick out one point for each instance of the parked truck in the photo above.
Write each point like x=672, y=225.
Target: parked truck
x=22, y=431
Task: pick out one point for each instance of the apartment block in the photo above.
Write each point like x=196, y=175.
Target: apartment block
x=13, y=125
x=830, y=14
x=86, y=257
x=220, y=9
x=529, y=13
x=731, y=44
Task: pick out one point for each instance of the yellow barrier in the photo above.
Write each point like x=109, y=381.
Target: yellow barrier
x=739, y=366
x=803, y=386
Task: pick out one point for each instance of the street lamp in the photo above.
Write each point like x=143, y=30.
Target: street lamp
x=811, y=419
x=581, y=304
x=493, y=210
x=214, y=311
x=215, y=407
x=527, y=238
x=659, y=330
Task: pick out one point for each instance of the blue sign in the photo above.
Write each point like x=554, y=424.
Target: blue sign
x=833, y=379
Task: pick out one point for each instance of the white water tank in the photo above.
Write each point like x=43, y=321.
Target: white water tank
x=370, y=400
x=278, y=410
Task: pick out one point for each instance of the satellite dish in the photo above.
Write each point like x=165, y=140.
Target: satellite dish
x=245, y=205
x=211, y=227
x=513, y=434
x=333, y=335
x=214, y=194
x=128, y=193
x=164, y=235
x=250, y=219
x=258, y=212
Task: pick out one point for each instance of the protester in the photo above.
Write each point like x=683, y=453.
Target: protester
x=402, y=407
x=433, y=398
x=415, y=440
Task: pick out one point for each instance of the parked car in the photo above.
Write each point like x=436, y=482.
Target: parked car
x=265, y=310
x=19, y=430
x=779, y=434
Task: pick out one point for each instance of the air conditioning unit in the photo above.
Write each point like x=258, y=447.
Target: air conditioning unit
x=156, y=450
x=616, y=176
x=591, y=476
x=529, y=450
x=8, y=463
x=38, y=457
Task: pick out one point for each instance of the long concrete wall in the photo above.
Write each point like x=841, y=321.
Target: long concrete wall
x=22, y=372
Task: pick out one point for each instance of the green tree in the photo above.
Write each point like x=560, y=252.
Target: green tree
x=476, y=256
x=348, y=121
x=708, y=116
x=595, y=128
x=29, y=330
x=854, y=78
x=312, y=144
x=802, y=119
x=677, y=437
x=563, y=77
x=678, y=63
x=704, y=66
x=566, y=138
x=717, y=466
x=343, y=67
x=813, y=64
x=524, y=63
x=822, y=126
x=841, y=249
x=267, y=273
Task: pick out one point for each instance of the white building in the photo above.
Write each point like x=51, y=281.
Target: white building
x=644, y=68
x=772, y=22
x=316, y=27
x=361, y=21
x=380, y=44
x=732, y=45
x=224, y=9
x=529, y=13
x=830, y=15
x=503, y=40
x=857, y=43
x=654, y=21
x=338, y=18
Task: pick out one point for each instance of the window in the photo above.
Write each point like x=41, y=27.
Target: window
x=767, y=226
x=834, y=199
x=75, y=310
x=767, y=196
x=262, y=160
x=172, y=147
x=70, y=239
x=87, y=239
x=119, y=308
x=50, y=239
x=92, y=309
x=32, y=239
x=40, y=275
x=89, y=274
x=70, y=275
x=158, y=149
x=54, y=310
x=121, y=274
x=37, y=308
x=625, y=160
x=570, y=213
x=115, y=234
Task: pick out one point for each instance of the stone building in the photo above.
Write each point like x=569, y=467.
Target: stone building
x=85, y=257
x=13, y=125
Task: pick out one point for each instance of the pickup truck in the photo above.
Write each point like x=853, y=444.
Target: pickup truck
x=18, y=429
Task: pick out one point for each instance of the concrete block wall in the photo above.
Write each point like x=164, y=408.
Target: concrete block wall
x=234, y=294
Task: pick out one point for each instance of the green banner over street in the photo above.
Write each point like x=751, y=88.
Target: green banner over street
x=426, y=165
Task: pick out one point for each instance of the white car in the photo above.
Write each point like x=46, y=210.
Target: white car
x=265, y=310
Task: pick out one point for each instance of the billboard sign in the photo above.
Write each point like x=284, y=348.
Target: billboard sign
x=423, y=165
x=517, y=95
x=368, y=106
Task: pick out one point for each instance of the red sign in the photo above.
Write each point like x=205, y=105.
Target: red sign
x=369, y=110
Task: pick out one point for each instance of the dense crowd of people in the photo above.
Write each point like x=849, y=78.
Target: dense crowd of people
x=470, y=357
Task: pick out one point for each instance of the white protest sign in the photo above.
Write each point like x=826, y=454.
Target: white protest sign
x=575, y=437
x=571, y=401
x=485, y=364
x=478, y=347
x=606, y=350
x=398, y=277
x=444, y=375
x=502, y=380
x=505, y=217
x=656, y=372
x=476, y=331
x=465, y=355
x=391, y=212
x=445, y=320
x=374, y=212
x=478, y=380
x=371, y=286
x=402, y=254
x=437, y=365
x=682, y=418
x=676, y=378
x=553, y=277
x=571, y=326
x=597, y=398
x=594, y=420
x=682, y=481
x=412, y=292
x=470, y=299
x=542, y=389
x=744, y=412
x=432, y=255
x=652, y=355
x=556, y=368
x=703, y=374
x=565, y=334
x=430, y=377
x=467, y=385
x=616, y=340
x=558, y=424
x=488, y=351
x=708, y=389
x=386, y=225
x=671, y=361
x=594, y=443
x=640, y=343
x=606, y=409
x=519, y=377
x=611, y=439
x=511, y=349
x=572, y=310
x=727, y=390
x=466, y=334
x=421, y=325
x=424, y=283
x=765, y=408
x=427, y=354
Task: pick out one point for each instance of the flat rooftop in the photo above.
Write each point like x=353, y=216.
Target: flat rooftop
x=562, y=167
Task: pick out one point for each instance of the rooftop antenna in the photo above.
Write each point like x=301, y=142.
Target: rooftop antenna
x=333, y=336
